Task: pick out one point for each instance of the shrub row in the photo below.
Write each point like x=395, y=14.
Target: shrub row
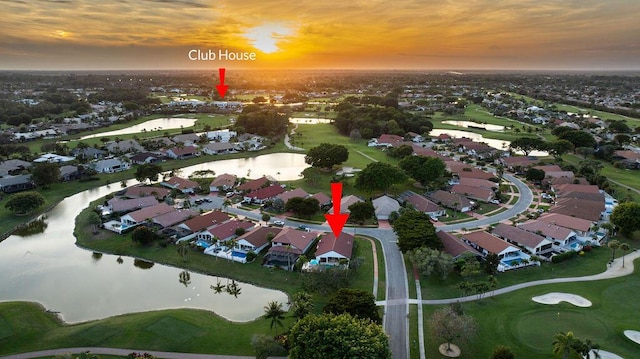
x=563, y=256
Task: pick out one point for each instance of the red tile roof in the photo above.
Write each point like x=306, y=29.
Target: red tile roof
x=266, y=192
x=228, y=229
x=142, y=191
x=258, y=236
x=518, y=235
x=298, y=192
x=253, y=184
x=206, y=220
x=422, y=204
x=322, y=198
x=570, y=222
x=472, y=192
x=150, y=212
x=581, y=208
x=174, y=217
x=181, y=183
x=488, y=242
x=342, y=245
x=546, y=229
x=454, y=246
x=390, y=139
x=224, y=180
x=125, y=205
x=297, y=239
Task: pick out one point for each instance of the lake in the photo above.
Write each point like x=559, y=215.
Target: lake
x=499, y=144
x=467, y=124
x=158, y=124
x=281, y=166
x=50, y=269
x=309, y=120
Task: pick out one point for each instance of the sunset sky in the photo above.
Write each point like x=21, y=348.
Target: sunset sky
x=322, y=34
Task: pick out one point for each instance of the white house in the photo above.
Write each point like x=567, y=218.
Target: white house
x=110, y=165
x=335, y=251
x=221, y=135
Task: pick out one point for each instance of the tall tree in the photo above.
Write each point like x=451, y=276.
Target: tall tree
x=448, y=325
x=414, y=229
x=378, y=176
x=302, y=207
x=302, y=305
x=432, y=262
x=624, y=247
x=627, y=217
x=273, y=311
x=356, y=302
x=423, y=169
x=360, y=212
x=45, y=174
x=327, y=155
x=148, y=171
x=559, y=148
x=337, y=336
x=24, y=203
x=527, y=144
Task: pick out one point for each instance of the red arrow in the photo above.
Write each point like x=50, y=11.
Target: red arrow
x=222, y=88
x=337, y=219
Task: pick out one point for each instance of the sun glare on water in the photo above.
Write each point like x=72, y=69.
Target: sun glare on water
x=266, y=37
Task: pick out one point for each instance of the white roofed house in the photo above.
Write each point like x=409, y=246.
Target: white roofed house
x=218, y=148
x=124, y=146
x=111, y=165
x=384, y=206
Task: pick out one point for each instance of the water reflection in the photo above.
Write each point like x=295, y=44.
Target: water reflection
x=158, y=124
x=281, y=166
x=34, y=227
x=50, y=269
x=470, y=124
x=499, y=144
x=309, y=121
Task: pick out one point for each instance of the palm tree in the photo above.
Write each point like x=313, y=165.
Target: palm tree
x=613, y=245
x=273, y=311
x=624, y=247
x=302, y=305
x=566, y=345
x=218, y=288
x=183, y=250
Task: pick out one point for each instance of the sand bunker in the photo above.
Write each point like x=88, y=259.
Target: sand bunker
x=633, y=335
x=605, y=355
x=556, y=298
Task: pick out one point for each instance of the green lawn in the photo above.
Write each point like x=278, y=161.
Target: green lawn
x=528, y=328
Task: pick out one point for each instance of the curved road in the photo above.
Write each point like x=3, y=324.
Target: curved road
x=396, y=311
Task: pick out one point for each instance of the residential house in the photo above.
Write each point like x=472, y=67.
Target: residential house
x=335, y=251
x=88, y=153
x=146, y=191
x=287, y=246
x=384, y=206
x=119, y=205
x=456, y=247
x=298, y=192
x=414, y=137
x=221, y=135
x=263, y=194
x=13, y=167
x=219, y=148
x=452, y=200
x=224, y=231
x=345, y=202
x=110, y=165
x=204, y=221
x=386, y=140
x=257, y=239
x=182, y=153
x=146, y=157
x=16, y=183
x=477, y=182
x=581, y=208
x=143, y=215
x=253, y=185
x=531, y=242
x=443, y=138
x=511, y=163
x=69, y=173
x=582, y=227
x=181, y=184
x=423, y=204
x=474, y=193
x=224, y=182
x=172, y=218
x=323, y=199
x=563, y=239
x=123, y=146
x=510, y=256
x=187, y=139
x=53, y=158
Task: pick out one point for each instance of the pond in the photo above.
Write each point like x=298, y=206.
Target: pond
x=50, y=269
x=281, y=166
x=471, y=124
x=499, y=144
x=309, y=120
x=158, y=124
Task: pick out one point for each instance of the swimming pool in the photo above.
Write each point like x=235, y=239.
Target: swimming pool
x=239, y=254
x=511, y=262
x=576, y=246
x=203, y=244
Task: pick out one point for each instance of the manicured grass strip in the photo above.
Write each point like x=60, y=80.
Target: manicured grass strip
x=414, y=343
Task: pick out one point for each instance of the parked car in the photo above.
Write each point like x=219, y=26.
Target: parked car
x=278, y=223
x=494, y=201
x=304, y=228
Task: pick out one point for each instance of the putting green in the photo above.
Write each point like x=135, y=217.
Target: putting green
x=536, y=329
x=620, y=296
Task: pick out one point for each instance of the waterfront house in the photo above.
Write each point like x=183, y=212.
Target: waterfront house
x=257, y=239
x=181, y=184
x=531, y=242
x=16, y=183
x=333, y=251
x=224, y=182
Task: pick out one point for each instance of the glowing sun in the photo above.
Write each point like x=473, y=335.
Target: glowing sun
x=266, y=37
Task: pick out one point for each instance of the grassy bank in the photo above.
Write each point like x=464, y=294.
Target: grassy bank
x=528, y=327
